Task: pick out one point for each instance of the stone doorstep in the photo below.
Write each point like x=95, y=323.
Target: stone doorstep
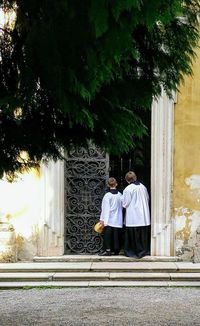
x=45, y=267
x=96, y=258
x=136, y=267
x=18, y=285
x=87, y=266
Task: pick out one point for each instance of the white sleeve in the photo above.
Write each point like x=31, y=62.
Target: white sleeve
x=121, y=199
x=147, y=194
x=126, y=198
x=105, y=208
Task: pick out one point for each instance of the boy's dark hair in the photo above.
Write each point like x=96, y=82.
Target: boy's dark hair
x=130, y=176
x=112, y=182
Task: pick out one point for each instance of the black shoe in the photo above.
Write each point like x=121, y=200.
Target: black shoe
x=115, y=253
x=143, y=254
x=105, y=253
x=127, y=254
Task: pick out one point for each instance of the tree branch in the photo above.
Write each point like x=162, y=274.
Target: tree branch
x=5, y=30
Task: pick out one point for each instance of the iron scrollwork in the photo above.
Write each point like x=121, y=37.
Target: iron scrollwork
x=86, y=171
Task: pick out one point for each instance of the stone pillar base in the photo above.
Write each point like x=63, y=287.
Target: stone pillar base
x=7, y=241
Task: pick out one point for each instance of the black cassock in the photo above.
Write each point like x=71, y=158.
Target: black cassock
x=137, y=241
x=137, y=220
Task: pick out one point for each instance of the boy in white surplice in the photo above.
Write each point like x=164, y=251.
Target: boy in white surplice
x=137, y=218
x=111, y=218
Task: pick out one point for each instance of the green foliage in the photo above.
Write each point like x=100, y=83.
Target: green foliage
x=74, y=70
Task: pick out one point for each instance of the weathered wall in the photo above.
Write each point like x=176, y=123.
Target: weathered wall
x=186, y=201
x=19, y=215
x=32, y=214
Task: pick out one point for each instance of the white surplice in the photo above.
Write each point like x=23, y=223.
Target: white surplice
x=111, y=210
x=136, y=202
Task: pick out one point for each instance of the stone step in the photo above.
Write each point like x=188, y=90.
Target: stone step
x=134, y=266
x=98, y=273
x=66, y=267
x=127, y=276
x=101, y=267
x=45, y=267
x=110, y=276
x=17, y=277
x=24, y=277
x=95, y=276
x=97, y=283
x=96, y=258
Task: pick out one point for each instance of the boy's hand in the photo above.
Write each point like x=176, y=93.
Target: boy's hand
x=102, y=222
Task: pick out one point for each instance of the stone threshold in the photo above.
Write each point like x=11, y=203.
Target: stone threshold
x=96, y=258
x=100, y=266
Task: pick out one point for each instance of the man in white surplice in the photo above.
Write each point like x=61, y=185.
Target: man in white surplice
x=137, y=218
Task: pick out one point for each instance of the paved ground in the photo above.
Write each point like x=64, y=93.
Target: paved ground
x=100, y=306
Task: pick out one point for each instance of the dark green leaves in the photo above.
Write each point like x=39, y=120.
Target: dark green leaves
x=87, y=69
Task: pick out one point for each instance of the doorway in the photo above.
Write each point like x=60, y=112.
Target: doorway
x=137, y=160
x=86, y=172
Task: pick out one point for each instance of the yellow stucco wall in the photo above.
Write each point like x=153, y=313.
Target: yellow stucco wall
x=186, y=190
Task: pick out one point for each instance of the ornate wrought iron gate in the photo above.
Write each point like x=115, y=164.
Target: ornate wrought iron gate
x=86, y=171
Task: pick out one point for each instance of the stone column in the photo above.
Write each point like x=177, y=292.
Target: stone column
x=51, y=225
x=162, y=237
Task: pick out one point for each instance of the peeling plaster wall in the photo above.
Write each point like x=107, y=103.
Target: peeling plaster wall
x=187, y=224
x=186, y=201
